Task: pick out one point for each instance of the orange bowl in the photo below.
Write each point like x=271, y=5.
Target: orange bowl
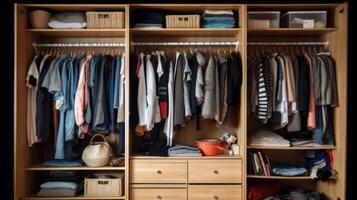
x=211, y=147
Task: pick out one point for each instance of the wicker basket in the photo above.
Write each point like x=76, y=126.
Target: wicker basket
x=105, y=20
x=39, y=18
x=95, y=185
x=182, y=21
x=97, y=154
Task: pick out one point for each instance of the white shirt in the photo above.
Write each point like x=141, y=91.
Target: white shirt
x=121, y=109
x=152, y=113
x=169, y=123
x=31, y=102
x=142, y=92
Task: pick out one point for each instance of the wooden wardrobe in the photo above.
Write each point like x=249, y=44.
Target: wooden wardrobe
x=221, y=177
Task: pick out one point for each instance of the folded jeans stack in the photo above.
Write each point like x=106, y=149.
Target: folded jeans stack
x=61, y=183
x=285, y=170
x=218, y=19
x=181, y=150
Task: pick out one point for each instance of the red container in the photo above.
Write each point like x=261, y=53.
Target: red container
x=211, y=147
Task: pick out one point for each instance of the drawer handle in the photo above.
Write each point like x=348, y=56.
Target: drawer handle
x=158, y=197
x=215, y=197
x=159, y=171
x=216, y=172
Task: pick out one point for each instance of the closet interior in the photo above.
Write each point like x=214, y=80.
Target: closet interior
x=142, y=43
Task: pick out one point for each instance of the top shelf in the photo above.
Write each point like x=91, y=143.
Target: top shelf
x=78, y=32
x=188, y=31
x=289, y=31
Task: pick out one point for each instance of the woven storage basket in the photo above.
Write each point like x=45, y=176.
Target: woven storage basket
x=39, y=18
x=182, y=21
x=96, y=185
x=105, y=19
x=97, y=154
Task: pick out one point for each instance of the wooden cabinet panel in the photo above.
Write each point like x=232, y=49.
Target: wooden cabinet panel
x=210, y=171
x=158, y=194
x=215, y=192
x=158, y=171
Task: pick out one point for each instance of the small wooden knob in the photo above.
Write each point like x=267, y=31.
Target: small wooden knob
x=216, y=172
x=158, y=197
x=159, y=171
x=215, y=197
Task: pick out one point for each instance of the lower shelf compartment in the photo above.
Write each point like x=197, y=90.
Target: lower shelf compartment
x=281, y=177
x=76, y=197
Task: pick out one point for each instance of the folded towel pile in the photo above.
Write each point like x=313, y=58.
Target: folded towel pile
x=218, y=19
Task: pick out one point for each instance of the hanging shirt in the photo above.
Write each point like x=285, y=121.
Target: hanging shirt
x=234, y=78
x=187, y=87
x=31, y=83
x=290, y=84
x=142, y=92
x=208, y=106
x=163, y=74
x=200, y=81
x=82, y=98
x=222, y=67
x=169, y=123
x=179, y=107
x=121, y=109
x=217, y=114
x=44, y=103
x=152, y=114
x=311, y=120
x=282, y=96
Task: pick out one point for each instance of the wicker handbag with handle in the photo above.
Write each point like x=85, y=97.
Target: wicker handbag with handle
x=97, y=154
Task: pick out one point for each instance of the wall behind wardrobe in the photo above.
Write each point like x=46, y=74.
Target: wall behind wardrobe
x=6, y=83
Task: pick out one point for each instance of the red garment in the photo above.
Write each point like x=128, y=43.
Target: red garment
x=262, y=189
x=330, y=155
x=163, y=110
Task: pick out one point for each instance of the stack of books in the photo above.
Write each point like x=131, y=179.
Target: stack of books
x=258, y=164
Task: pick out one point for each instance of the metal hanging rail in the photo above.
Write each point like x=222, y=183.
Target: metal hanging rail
x=289, y=43
x=185, y=43
x=78, y=44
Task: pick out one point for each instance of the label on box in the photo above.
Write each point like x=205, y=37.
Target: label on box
x=308, y=23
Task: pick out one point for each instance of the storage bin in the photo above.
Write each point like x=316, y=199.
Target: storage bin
x=263, y=19
x=101, y=184
x=39, y=19
x=305, y=19
x=108, y=20
x=182, y=21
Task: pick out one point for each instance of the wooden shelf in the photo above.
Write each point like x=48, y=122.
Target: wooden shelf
x=81, y=168
x=187, y=32
x=293, y=147
x=78, y=32
x=281, y=177
x=76, y=197
x=290, y=31
x=222, y=156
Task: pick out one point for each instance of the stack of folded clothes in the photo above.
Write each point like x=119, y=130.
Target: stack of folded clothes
x=218, y=19
x=61, y=183
x=148, y=19
x=182, y=150
x=68, y=20
x=287, y=170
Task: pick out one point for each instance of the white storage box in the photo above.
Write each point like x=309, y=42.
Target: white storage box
x=305, y=19
x=263, y=19
x=101, y=184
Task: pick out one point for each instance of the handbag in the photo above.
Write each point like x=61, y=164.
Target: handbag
x=97, y=154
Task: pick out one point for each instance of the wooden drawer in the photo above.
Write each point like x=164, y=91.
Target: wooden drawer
x=158, y=171
x=215, y=192
x=211, y=171
x=158, y=194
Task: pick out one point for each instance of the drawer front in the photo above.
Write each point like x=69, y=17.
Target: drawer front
x=158, y=171
x=215, y=192
x=208, y=171
x=158, y=194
